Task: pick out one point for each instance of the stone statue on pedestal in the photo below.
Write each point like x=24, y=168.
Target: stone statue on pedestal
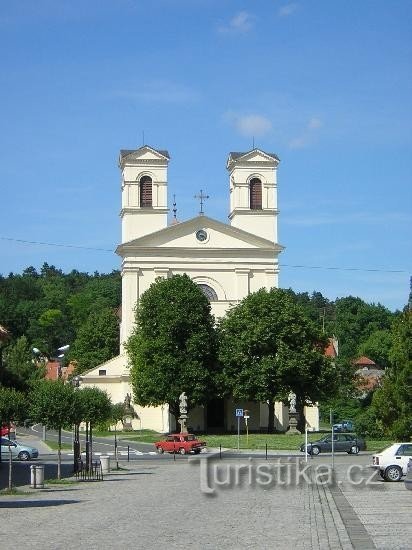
x=293, y=414
x=128, y=412
x=183, y=412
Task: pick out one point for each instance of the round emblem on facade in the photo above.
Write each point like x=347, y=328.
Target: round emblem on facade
x=201, y=235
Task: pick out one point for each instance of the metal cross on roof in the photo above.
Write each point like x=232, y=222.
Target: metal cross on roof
x=202, y=197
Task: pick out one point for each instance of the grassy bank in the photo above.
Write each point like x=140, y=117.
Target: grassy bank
x=281, y=442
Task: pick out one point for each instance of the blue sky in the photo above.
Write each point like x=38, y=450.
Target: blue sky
x=325, y=85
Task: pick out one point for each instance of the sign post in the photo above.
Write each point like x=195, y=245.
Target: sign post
x=246, y=417
x=239, y=415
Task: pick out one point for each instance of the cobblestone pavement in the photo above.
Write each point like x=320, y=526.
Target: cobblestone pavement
x=384, y=509
x=162, y=504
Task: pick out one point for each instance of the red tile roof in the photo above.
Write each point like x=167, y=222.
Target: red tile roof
x=364, y=361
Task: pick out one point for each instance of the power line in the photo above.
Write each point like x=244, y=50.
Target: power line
x=297, y=266
x=373, y=270
x=56, y=244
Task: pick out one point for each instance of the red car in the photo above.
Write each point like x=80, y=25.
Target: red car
x=4, y=431
x=182, y=443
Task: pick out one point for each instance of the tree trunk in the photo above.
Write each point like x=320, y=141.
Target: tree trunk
x=59, y=456
x=10, y=470
x=91, y=449
x=271, y=417
x=300, y=409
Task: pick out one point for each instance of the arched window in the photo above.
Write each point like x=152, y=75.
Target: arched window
x=208, y=292
x=255, y=194
x=146, y=191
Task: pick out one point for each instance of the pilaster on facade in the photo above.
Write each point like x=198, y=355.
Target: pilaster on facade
x=163, y=272
x=242, y=283
x=130, y=296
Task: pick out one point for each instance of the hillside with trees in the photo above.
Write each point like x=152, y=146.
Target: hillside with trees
x=46, y=309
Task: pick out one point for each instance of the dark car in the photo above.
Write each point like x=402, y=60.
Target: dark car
x=347, y=443
x=344, y=426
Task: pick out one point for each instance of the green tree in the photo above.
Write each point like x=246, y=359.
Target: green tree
x=173, y=347
x=97, y=340
x=98, y=293
x=377, y=347
x=54, y=404
x=269, y=347
x=96, y=408
x=19, y=368
x=392, y=402
x=356, y=321
x=12, y=409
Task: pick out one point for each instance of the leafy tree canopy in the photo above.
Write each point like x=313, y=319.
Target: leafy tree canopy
x=269, y=347
x=97, y=340
x=173, y=347
x=19, y=369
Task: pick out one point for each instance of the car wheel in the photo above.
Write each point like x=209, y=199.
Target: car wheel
x=160, y=450
x=315, y=450
x=182, y=451
x=393, y=473
x=24, y=455
x=354, y=450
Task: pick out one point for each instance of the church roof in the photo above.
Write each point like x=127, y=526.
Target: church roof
x=235, y=155
x=126, y=152
x=170, y=232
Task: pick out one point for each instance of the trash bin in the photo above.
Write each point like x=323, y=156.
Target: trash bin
x=105, y=463
x=37, y=476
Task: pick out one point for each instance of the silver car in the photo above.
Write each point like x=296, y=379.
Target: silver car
x=19, y=451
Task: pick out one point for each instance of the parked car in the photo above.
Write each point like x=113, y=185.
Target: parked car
x=182, y=443
x=349, y=443
x=392, y=462
x=22, y=452
x=344, y=426
x=5, y=430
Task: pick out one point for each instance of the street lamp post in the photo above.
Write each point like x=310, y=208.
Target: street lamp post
x=76, y=439
x=60, y=357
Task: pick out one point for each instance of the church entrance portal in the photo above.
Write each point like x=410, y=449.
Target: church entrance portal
x=215, y=415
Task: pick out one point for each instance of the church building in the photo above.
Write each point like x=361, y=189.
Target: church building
x=227, y=260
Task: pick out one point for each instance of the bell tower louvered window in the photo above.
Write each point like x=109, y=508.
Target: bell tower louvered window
x=255, y=194
x=146, y=191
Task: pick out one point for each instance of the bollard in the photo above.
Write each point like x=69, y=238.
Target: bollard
x=220, y=451
x=105, y=463
x=37, y=476
x=128, y=453
x=266, y=451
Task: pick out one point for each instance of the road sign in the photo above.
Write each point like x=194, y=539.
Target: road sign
x=239, y=412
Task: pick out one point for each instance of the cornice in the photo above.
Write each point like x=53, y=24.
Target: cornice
x=143, y=211
x=248, y=212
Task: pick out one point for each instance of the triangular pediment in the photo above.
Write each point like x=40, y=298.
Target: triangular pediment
x=254, y=156
x=117, y=366
x=144, y=153
x=183, y=235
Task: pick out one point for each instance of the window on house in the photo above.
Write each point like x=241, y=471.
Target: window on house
x=209, y=293
x=255, y=194
x=146, y=191
x=102, y=372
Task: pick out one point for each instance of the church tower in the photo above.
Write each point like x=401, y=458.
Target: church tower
x=253, y=192
x=144, y=191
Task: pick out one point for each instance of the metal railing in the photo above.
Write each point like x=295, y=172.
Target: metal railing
x=92, y=473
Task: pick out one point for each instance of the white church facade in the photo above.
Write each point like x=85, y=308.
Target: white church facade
x=228, y=262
